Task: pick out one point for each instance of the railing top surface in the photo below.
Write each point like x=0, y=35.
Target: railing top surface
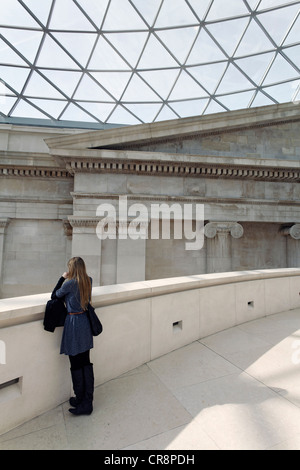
x=18, y=310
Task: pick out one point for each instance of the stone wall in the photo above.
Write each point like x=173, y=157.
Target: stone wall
x=274, y=141
x=242, y=167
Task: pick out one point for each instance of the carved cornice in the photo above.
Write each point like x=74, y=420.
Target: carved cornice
x=184, y=169
x=149, y=198
x=83, y=221
x=33, y=172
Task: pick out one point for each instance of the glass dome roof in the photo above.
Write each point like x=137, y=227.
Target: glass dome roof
x=138, y=61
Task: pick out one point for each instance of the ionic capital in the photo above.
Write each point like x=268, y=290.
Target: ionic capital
x=233, y=228
x=293, y=231
x=3, y=224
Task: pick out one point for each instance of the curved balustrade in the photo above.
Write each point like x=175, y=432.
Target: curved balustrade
x=141, y=321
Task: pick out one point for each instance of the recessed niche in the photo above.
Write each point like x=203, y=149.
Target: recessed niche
x=177, y=326
x=251, y=304
x=11, y=389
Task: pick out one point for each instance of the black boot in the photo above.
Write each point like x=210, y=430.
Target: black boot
x=86, y=406
x=78, y=387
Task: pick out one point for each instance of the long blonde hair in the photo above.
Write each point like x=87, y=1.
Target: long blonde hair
x=77, y=270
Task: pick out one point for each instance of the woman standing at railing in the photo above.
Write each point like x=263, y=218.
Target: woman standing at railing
x=75, y=286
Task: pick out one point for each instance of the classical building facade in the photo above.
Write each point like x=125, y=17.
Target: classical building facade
x=242, y=168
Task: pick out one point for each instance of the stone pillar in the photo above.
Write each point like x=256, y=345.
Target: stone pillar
x=131, y=253
x=68, y=231
x=3, y=224
x=292, y=245
x=219, y=245
x=87, y=245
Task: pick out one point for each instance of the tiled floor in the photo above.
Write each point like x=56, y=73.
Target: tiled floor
x=238, y=389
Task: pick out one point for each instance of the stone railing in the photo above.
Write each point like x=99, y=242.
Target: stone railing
x=141, y=321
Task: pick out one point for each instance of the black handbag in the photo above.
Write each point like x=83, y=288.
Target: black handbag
x=96, y=325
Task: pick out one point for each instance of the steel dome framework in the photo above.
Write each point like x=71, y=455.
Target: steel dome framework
x=134, y=61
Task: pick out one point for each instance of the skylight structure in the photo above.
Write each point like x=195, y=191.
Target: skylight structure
x=139, y=61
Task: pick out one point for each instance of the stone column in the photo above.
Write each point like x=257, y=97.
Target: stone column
x=219, y=245
x=87, y=245
x=292, y=245
x=3, y=224
x=131, y=253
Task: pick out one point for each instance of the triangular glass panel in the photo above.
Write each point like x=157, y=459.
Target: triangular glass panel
x=261, y=100
x=38, y=87
x=214, y=108
x=281, y=70
x=74, y=113
x=264, y=4
x=296, y=98
x=189, y=108
x=228, y=33
x=233, y=80
x=66, y=16
x=250, y=46
x=95, y=9
x=208, y=75
x=14, y=76
x=52, y=107
x=293, y=36
x=100, y=110
x=129, y=45
x=122, y=116
x=293, y=53
x=8, y=56
x=65, y=80
x=166, y=114
x=148, y=9
x=145, y=112
x=277, y=22
x=40, y=9
x=175, y=13
x=53, y=56
x=79, y=45
x=156, y=56
x=6, y=103
x=106, y=58
x=4, y=90
x=186, y=88
x=113, y=82
x=228, y=9
x=26, y=110
x=139, y=91
x=122, y=16
x=256, y=66
x=88, y=89
x=26, y=41
x=161, y=80
x=237, y=100
x=200, y=8
x=205, y=50
x=253, y=4
x=179, y=41
x=13, y=14
x=284, y=92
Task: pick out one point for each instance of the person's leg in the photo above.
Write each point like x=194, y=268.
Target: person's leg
x=77, y=379
x=86, y=404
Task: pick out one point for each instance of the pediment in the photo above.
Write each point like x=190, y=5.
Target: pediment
x=126, y=137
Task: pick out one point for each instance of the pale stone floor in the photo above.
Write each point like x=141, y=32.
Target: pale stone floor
x=238, y=389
